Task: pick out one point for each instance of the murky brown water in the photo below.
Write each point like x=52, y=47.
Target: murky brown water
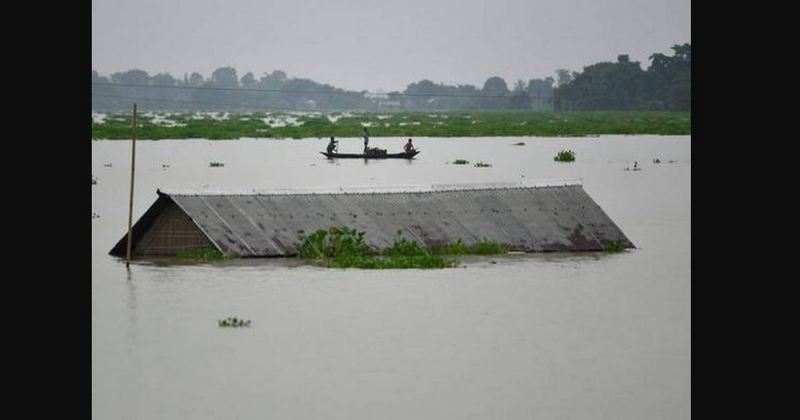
x=533, y=336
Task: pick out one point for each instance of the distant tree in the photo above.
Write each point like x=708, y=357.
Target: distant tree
x=225, y=77
x=104, y=94
x=468, y=97
x=519, y=97
x=495, y=86
x=164, y=98
x=275, y=81
x=127, y=94
x=96, y=78
x=250, y=98
x=623, y=85
x=604, y=86
x=222, y=77
x=541, y=93
x=496, y=92
x=670, y=79
x=279, y=75
x=249, y=81
x=196, y=79
x=564, y=76
x=164, y=79
x=133, y=77
x=420, y=94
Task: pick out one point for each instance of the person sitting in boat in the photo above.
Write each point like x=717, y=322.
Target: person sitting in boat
x=409, y=148
x=366, y=139
x=332, y=145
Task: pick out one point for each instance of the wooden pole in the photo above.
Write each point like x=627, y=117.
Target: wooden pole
x=133, y=167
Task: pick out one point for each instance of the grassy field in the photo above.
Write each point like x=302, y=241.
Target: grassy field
x=221, y=126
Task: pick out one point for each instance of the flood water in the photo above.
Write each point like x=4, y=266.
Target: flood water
x=565, y=336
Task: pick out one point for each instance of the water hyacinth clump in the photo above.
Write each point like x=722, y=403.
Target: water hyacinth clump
x=404, y=124
x=460, y=162
x=565, y=156
x=216, y=164
x=94, y=180
x=343, y=247
x=333, y=243
x=614, y=247
x=483, y=247
x=233, y=322
x=483, y=165
x=487, y=247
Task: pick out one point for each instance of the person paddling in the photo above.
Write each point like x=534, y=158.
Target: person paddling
x=332, y=145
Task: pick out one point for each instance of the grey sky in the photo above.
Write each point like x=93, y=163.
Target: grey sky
x=372, y=45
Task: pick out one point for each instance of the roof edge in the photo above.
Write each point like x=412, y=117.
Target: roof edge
x=380, y=189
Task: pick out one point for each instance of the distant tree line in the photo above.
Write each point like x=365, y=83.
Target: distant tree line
x=623, y=85
x=666, y=85
x=224, y=90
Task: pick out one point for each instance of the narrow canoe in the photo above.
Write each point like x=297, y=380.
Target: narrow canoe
x=363, y=156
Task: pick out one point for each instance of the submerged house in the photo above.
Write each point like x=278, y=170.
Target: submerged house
x=527, y=218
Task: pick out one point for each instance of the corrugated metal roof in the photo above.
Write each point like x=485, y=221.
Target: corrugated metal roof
x=527, y=218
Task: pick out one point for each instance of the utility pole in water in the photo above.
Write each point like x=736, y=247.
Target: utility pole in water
x=133, y=167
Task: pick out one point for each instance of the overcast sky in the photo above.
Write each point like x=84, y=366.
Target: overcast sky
x=382, y=45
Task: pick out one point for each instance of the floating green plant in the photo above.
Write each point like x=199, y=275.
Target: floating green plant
x=565, y=156
x=482, y=247
x=487, y=247
x=614, y=247
x=345, y=247
x=216, y=164
x=233, y=322
x=492, y=124
x=483, y=165
x=460, y=162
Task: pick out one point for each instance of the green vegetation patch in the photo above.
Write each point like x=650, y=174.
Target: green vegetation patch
x=460, y=162
x=233, y=322
x=483, y=247
x=442, y=124
x=565, y=156
x=483, y=165
x=343, y=247
x=215, y=164
x=615, y=247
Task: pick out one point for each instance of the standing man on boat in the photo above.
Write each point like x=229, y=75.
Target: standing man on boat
x=366, y=139
x=332, y=145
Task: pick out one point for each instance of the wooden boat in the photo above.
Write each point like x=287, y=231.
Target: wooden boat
x=371, y=156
